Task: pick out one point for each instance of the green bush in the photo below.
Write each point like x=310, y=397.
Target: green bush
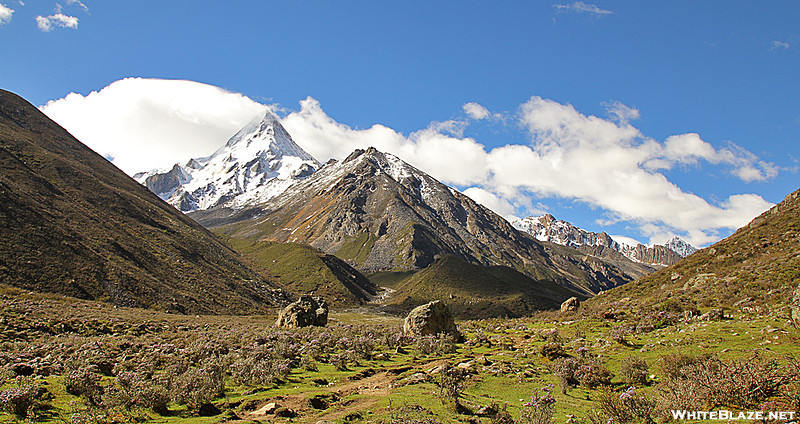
x=634, y=371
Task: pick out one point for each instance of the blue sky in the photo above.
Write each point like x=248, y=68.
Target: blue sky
x=726, y=71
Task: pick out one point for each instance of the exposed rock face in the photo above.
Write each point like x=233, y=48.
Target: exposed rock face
x=570, y=305
x=795, y=306
x=306, y=311
x=713, y=315
x=430, y=319
x=548, y=228
x=379, y=213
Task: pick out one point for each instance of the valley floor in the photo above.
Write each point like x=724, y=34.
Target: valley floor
x=65, y=360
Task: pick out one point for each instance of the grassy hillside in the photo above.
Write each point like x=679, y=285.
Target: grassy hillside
x=301, y=269
x=756, y=266
x=475, y=291
x=72, y=223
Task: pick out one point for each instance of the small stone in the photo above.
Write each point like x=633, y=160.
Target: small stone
x=267, y=409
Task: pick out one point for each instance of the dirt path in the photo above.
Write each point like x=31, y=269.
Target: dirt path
x=351, y=396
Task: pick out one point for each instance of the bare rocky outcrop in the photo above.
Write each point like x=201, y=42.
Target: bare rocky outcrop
x=430, y=319
x=570, y=305
x=306, y=311
x=795, y=306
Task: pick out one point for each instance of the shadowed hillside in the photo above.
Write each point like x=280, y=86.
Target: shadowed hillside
x=72, y=223
x=476, y=291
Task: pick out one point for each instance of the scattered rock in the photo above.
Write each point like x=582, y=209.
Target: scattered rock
x=419, y=377
x=431, y=319
x=487, y=411
x=267, y=409
x=570, y=305
x=468, y=366
x=713, y=315
x=306, y=311
x=437, y=369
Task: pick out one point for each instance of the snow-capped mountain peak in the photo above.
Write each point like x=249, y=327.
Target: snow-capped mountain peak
x=259, y=162
x=547, y=228
x=680, y=246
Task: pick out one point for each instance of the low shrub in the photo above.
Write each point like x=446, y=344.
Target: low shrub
x=199, y=386
x=21, y=398
x=628, y=406
x=86, y=384
x=540, y=409
x=741, y=383
x=634, y=371
x=552, y=351
x=439, y=344
x=146, y=390
x=587, y=371
x=450, y=383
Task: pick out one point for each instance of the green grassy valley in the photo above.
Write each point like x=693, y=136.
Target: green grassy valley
x=475, y=291
x=82, y=361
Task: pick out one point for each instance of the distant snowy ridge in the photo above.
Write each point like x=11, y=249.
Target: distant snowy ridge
x=547, y=228
x=258, y=163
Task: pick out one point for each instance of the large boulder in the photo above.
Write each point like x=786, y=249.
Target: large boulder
x=570, y=305
x=795, y=306
x=306, y=311
x=431, y=319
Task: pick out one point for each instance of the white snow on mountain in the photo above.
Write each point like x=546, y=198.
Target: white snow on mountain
x=258, y=163
x=681, y=247
x=547, y=228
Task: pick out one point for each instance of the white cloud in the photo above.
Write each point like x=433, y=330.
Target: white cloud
x=476, y=111
x=438, y=149
x=148, y=123
x=780, y=45
x=581, y=7
x=621, y=112
x=492, y=201
x=625, y=240
x=613, y=166
x=79, y=4
x=605, y=163
x=5, y=14
x=48, y=23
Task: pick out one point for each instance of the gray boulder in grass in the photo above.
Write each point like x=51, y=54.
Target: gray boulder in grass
x=430, y=319
x=571, y=305
x=306, y=311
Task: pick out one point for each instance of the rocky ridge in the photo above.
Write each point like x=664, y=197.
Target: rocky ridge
x=380, y=213
x=548, y=228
